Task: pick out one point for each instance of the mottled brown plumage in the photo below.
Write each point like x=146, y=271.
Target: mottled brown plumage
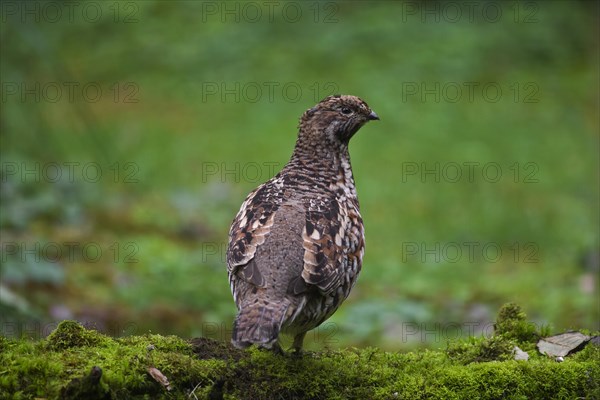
x=296, y=245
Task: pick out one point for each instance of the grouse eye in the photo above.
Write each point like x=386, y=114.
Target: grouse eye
x=346, y=111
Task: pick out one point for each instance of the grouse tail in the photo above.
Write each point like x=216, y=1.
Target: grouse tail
x=259, y=324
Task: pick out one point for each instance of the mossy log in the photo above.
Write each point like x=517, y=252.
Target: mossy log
x=77, y=363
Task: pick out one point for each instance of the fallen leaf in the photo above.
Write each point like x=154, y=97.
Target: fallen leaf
x=159, y=377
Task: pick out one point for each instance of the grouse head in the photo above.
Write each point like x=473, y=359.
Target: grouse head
x=336, y=119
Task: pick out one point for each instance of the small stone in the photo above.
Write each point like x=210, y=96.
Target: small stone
x=559, y=359
x=563, y=344
x=520, y=354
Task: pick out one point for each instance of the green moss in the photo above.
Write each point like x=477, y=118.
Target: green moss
x=512, y=324
x=494, y=348
x=68, y=363
x=74, y=362
x=87, y=387
x=72, y=334
x=511, y=329
x=589, y=353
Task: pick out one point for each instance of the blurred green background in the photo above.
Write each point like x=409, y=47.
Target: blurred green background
x=131, y=133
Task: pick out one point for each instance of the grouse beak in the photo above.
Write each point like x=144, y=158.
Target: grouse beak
x=373, y=116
